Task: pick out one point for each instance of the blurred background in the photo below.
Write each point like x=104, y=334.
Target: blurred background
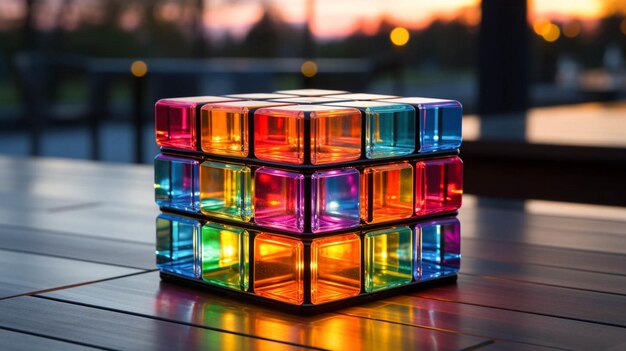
x=543, y=82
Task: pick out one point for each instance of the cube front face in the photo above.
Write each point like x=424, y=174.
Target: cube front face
x=308, y=205
x=335, y=136
x=226, y=190
x=175, y=124
x=387, y=193
x=177, y=244
x=335, y=268
x=390, y=131
x=279, y=199
x=335, y=200
x=441, y=187
x=278, y=268
x=176, y=183
x=224, y=256
x=224, y=130
x=389, y=255
x=279, y=136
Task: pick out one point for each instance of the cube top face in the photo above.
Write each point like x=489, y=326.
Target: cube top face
x=306, y=100
x=224, y=127
x=363, y=96
x=260, y=96
x=335, y=134
x=311, y=92
x=439, y=123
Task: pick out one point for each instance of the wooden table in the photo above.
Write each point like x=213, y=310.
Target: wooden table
x=77, y=272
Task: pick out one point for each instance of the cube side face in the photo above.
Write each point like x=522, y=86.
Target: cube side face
x=387, y=193
x=176, y=243
x=440, y=251
x=226, y=190
x=224, y=130
x=335, y=200
x=224, y=256
x=335, y=136
x=440, y=127
x=278, y=268
x=441, y=185
x=279, y=199
x=176, y=183
x=175, y=124
x=335, y=268
x=279, y=136
x=389, y=256
x=389, y=131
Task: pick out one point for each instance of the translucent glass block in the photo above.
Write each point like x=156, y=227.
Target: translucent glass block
x=363, y=96
x=224, y=256
x=176, y=245
x=439, y=185
x=387, y=193
x=176, y=183
x=224, y=127
x=439, y=122
x=389, y=128
x=335, y=136
x=226, y=190
x=278, y=266
x=311, y=92
x=440, y=248
x=279, y=199
x=335, y=199
x=175, y=120
x=335, y=268
x=388, y=258
x=279, y=135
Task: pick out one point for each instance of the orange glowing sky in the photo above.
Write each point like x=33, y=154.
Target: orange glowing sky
x=336, y=18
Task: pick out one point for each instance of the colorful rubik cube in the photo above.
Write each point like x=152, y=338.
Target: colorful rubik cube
x=308, y=199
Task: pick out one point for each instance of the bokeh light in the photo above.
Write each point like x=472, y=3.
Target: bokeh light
x=308, y=69
x=399, y=36
x=138, y=69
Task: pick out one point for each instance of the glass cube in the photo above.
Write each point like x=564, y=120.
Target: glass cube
x=441, y=247
x=224, y=127
x=335, y=200
x=388, y=258
x=279, y=199
x=387, y=193
x=335, y=268
x=176, y=183
x=224, y=256
x=335, y=135
x=440, y=185
x=175, y=120
x=278, y=268
x=226, y=190
x=279, y=135
x=176, y=245
x=439, y=122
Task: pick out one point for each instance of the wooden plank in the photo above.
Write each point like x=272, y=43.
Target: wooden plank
x=99, y=250
x=500, y=226
x=119, y=331
x=14, y=341
x=145, y=295
x=517, y=253
x=16, y=200
x=24, y=273
x=532, y=298
x=568, y=278
x=107, y=220
x=524, y=330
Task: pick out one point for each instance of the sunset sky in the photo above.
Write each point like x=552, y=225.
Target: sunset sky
x=334, y=18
